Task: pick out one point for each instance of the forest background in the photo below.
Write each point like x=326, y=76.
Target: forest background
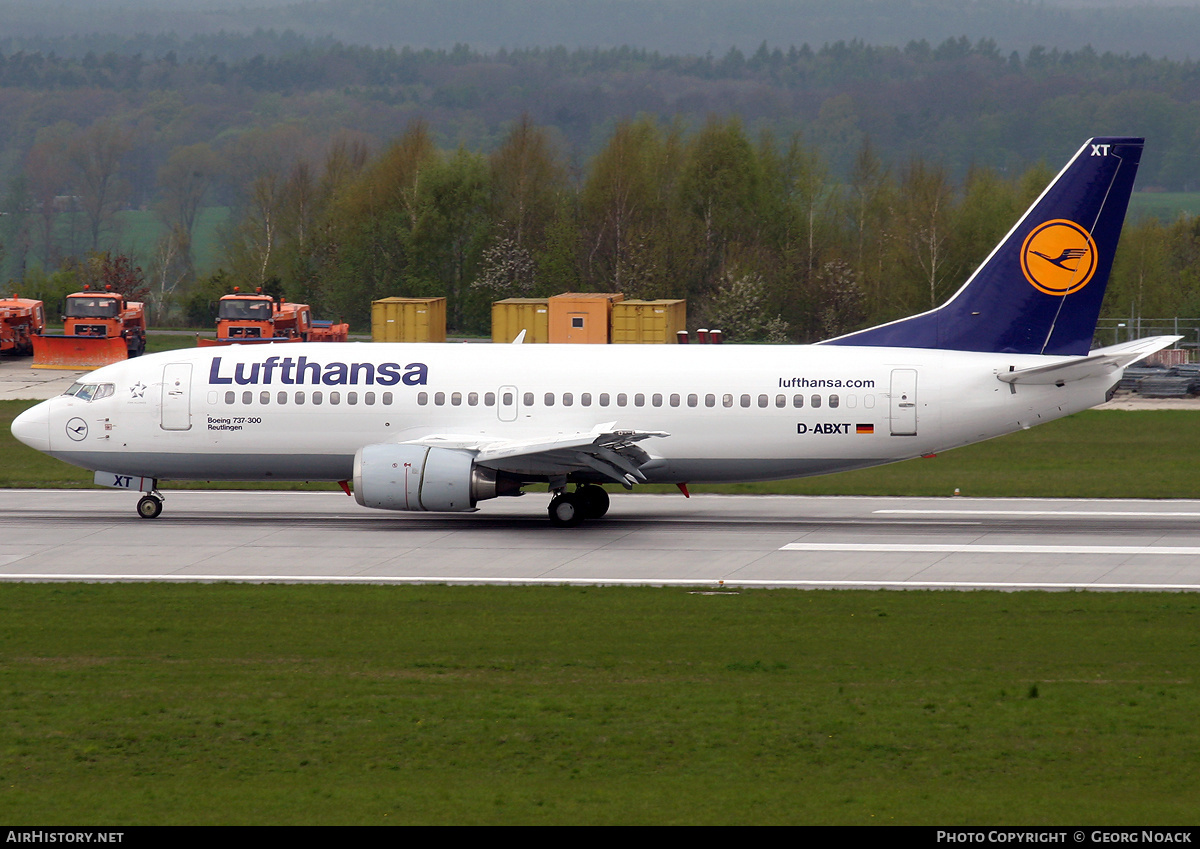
x=341, y=151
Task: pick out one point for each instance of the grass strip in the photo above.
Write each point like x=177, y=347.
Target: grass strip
x=131, y=704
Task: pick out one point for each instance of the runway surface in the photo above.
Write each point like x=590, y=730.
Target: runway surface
x=765, y=541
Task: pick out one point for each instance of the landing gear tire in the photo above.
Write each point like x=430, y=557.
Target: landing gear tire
x=566, y=510
x=149, y=506
x=595, y=501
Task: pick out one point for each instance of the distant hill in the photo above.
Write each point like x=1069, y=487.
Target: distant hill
x=695, y=27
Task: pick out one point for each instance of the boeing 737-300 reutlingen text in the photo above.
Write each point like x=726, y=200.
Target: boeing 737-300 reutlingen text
x=442, y=427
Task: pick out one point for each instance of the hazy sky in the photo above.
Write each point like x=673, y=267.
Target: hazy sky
x=1158, y=27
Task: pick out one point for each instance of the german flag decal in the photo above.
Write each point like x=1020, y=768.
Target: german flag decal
x=864, y=428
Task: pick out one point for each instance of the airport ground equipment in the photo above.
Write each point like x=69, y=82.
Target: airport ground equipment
x=251, y=318
x=21, y=319
x=99, y=327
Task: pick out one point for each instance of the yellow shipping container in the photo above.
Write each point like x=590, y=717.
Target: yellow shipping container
x=642, y=322
x=582, y=316
x=512, y=315
x=408, y=320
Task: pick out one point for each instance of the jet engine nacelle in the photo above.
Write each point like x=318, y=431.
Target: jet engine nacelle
x=414, y=477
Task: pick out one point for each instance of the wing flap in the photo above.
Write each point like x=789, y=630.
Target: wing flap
x=612, y=453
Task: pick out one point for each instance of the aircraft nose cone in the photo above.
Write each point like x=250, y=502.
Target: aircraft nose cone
x=33, y=427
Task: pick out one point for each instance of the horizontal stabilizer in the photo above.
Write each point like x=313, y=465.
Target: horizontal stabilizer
x=1101, y=361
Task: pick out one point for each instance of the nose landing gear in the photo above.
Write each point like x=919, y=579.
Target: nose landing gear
x=149, y=506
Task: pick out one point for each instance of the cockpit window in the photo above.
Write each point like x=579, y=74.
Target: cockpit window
x=90, y=391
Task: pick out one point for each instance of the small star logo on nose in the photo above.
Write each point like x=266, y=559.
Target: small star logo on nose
x=138, y=389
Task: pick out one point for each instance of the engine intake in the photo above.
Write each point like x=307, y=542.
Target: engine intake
x=414, y=477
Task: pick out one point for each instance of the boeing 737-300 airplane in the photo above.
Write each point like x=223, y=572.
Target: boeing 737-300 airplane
x=442, y=427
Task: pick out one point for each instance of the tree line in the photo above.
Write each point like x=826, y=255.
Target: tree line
x=967, y=100
x=754, y=230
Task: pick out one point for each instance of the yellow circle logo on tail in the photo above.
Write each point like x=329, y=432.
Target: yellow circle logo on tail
x=1059, y=257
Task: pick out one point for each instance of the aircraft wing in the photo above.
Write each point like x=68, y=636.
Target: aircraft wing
x=1110, y=360
x=612, y=453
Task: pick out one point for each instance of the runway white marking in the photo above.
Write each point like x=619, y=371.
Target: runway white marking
x=1103, y=513
x=983, y=548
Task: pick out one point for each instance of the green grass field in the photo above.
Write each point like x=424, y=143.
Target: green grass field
x=128, y=704
x=140, y=231
x=1165, y=206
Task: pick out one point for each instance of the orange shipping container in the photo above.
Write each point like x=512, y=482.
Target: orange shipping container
x=582, y=316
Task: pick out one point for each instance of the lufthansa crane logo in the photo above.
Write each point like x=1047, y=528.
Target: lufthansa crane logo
x=77, y=429
x=1058, y=257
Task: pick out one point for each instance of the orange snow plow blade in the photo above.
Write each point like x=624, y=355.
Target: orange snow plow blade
x=77, y=352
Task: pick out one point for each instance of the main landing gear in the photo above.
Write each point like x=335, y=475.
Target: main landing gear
x=568, y=509
x=149, y=506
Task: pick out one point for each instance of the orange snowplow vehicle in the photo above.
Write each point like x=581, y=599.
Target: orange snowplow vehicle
x=99, y=328
x=21, y=319
x=244, y=318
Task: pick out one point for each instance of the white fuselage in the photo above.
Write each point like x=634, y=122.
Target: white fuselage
x=732, y=412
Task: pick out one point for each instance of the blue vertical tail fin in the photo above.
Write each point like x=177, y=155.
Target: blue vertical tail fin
x=1040, y=289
